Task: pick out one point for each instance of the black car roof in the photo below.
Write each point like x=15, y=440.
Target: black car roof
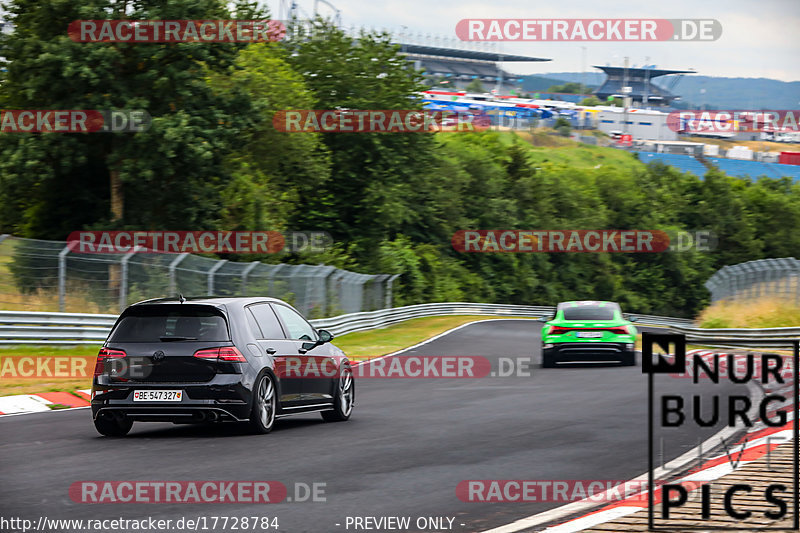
x=211, y=300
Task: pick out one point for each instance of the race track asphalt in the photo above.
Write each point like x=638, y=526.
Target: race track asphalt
x=404, y=451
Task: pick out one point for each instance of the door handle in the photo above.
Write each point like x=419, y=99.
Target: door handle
x=271, y=351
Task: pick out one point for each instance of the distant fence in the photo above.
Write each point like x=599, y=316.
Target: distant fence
x=754, y=279
x=40, y=275
x=81, y=328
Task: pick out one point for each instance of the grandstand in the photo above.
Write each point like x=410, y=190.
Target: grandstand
x=457, y=67
x=684, y=163
x=754, y=169
x=732, y=167
x=640, y=82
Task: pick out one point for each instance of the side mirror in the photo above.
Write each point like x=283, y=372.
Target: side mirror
x=324, y=336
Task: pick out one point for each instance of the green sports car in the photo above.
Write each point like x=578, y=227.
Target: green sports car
x=588, y=331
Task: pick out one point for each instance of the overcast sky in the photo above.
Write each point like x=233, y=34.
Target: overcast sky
x=760, y=38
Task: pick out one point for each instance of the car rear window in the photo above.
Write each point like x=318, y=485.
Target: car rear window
x=589, y=313
x=165, y=323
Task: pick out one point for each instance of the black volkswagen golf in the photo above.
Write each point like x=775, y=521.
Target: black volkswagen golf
x=215, y=360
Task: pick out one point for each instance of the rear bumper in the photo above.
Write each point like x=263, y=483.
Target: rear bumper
x=566, y=352
x=225, y=398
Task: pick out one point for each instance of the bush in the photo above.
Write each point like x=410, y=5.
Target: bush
x=758, y=313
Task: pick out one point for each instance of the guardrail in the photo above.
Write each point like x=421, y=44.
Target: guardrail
x=26, y=327
x=766, y=334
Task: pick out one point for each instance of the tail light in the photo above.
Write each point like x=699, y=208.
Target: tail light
x=227, y=354
x=102, y=356
x=623, y=330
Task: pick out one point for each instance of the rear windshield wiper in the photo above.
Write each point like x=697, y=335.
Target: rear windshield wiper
x=176, y=338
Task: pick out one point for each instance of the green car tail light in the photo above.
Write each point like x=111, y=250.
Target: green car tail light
x=616, y=330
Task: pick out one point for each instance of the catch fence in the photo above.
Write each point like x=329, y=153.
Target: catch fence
x=38, y=275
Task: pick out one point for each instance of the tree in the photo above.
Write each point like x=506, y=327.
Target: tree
x=590, y=101
x=475, y=86
x=274, y=174
x=374, y=175
x=166, y=177
x=562, y=126
x=570, y=88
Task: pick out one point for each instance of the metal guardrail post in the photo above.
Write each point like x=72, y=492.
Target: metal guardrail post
x=62, y=278
x=245, y=272
x=173, y=282
x=211, y=275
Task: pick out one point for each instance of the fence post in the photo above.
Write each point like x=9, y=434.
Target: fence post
x=271, y=279
x=123, y=283
x=335, y=291
x=245, y=272
x=388, y=297
x=173, y=282
x=62, y=278
x=211, y=275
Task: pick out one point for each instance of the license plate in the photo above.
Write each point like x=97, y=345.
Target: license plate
x=157, y=395
x=589, y=334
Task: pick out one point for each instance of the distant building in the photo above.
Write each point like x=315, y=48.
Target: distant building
x=643, y=90
x=640, y=123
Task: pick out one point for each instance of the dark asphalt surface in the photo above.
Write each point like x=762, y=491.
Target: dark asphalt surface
x=407, y=446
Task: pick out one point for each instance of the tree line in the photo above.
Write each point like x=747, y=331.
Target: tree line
x=211, y=159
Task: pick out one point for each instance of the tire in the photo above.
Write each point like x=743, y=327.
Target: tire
x=113, y=427
x=547, y=361
x=629, y=359
x=345, y=399
x=265, y=403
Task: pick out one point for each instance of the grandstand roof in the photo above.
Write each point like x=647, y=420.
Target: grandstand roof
x=456, y=53
x=636, y=72
x=640, y=81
